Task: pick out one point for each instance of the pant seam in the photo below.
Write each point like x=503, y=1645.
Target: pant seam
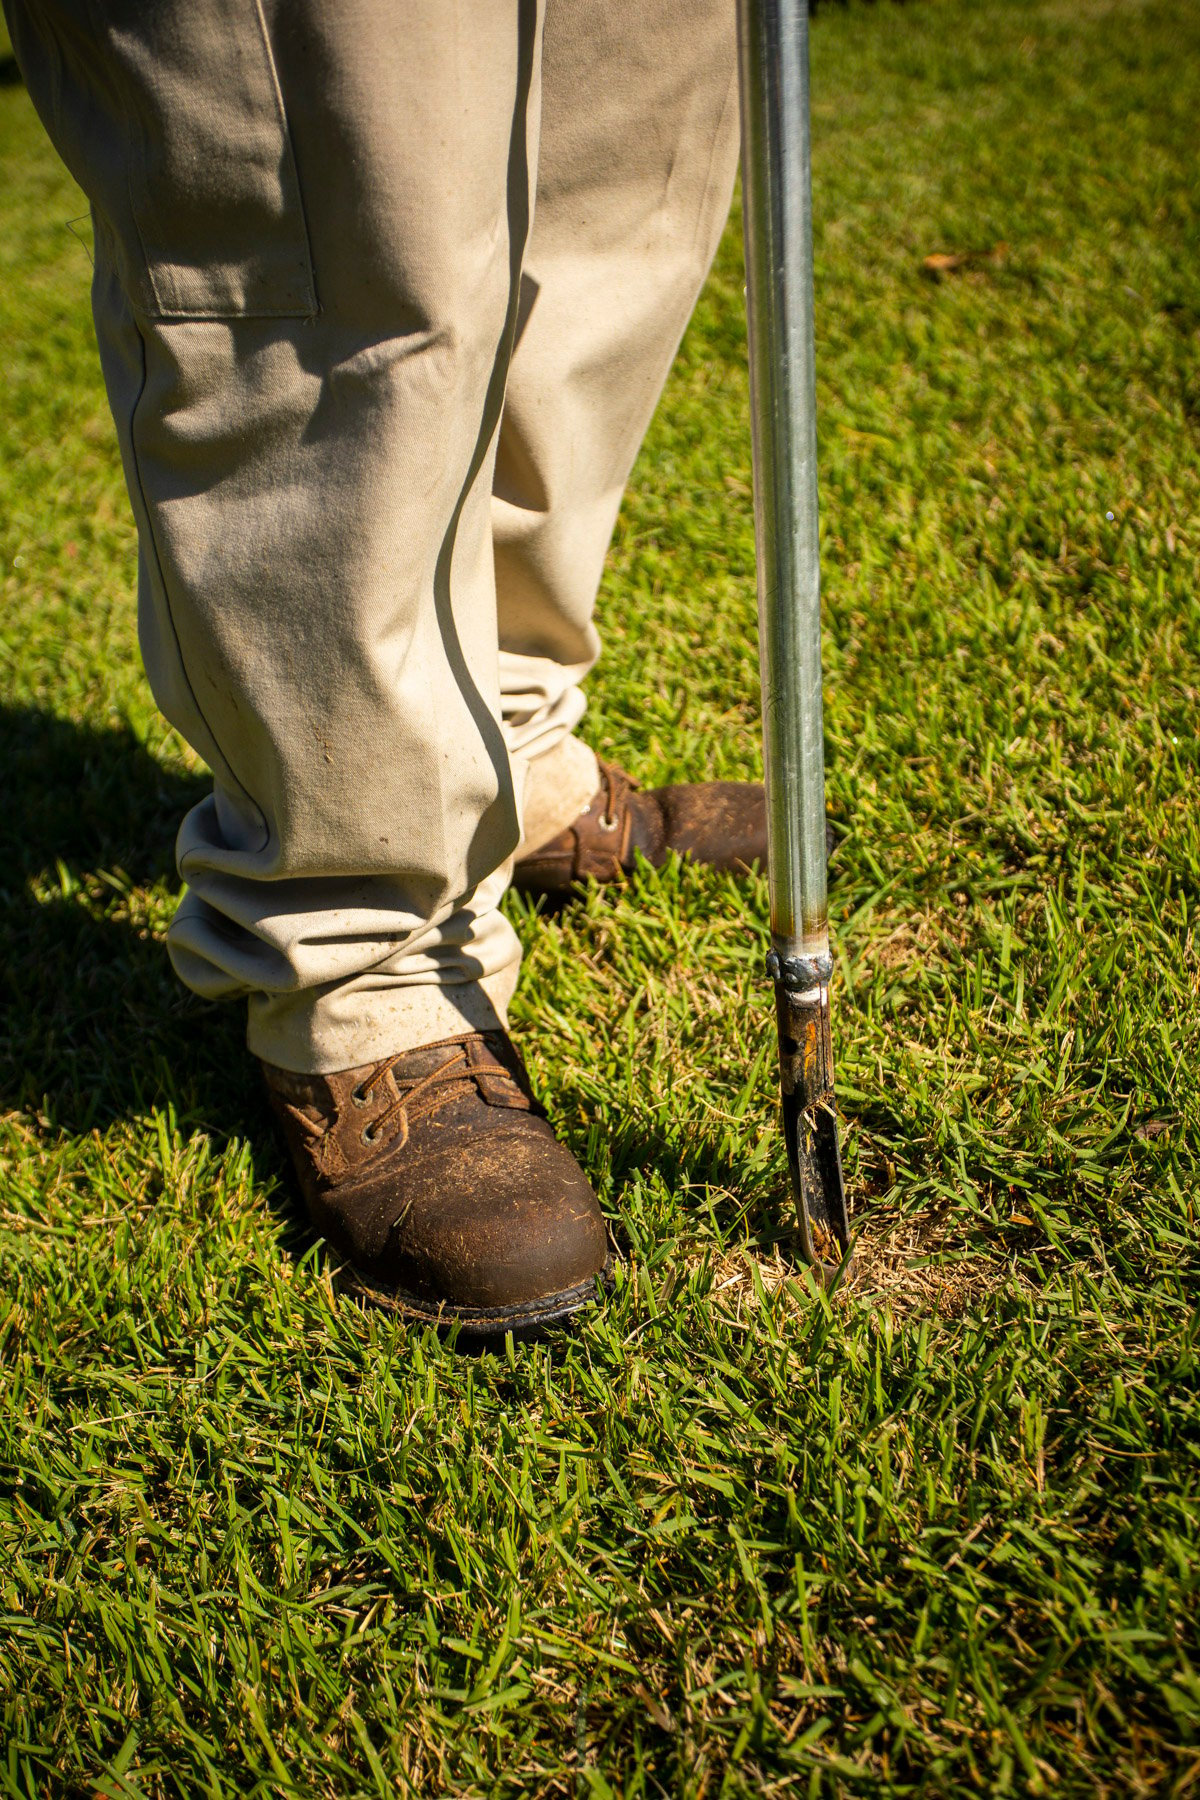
x=704, y=212
x=286, y=129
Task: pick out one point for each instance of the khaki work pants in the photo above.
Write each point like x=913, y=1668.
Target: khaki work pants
x=385, y=293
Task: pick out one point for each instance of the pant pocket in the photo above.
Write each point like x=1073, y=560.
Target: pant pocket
x=169, y=115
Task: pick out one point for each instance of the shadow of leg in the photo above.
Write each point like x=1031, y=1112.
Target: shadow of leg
x=94, y=1025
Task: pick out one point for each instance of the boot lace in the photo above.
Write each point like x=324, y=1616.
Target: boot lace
x=616, y=785
x=423, y=1096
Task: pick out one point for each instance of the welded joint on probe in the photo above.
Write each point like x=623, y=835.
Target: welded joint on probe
x=800, y=974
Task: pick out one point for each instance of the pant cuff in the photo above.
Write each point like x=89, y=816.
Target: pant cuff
x=318, y=1032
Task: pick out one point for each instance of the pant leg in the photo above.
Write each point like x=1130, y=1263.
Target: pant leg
x=639, y=144
x=310, y=216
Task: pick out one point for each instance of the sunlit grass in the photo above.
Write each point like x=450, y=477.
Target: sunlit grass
x=936, y=1534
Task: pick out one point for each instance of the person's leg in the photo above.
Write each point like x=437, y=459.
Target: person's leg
x=310, y=222
x=639, y=144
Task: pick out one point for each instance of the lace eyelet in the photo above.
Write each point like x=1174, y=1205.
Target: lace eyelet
x=368, y=1134
x=357, y=1097
x=605, y=823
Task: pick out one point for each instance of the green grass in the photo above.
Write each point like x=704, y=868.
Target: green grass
x=936, y=1535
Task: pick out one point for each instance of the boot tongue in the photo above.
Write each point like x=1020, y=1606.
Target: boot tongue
x=473, y=1057
x=489, y=1063
x=415, y=1065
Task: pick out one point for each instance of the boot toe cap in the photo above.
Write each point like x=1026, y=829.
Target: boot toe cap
x=516, y=1227
x=722, y=823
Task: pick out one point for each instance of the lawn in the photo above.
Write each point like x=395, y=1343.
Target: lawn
x=938, y=1533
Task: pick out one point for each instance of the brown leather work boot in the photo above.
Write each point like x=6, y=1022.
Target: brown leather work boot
x=437, y=1176
x=723, y=823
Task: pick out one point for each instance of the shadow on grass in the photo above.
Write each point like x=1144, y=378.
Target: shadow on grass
x=94, y=1024
x=95, y=1027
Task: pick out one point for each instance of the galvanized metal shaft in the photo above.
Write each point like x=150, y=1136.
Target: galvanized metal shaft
x=777, y=198
x=777, y=201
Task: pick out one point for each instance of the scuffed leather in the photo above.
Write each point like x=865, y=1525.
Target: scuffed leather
x=722, y=823
x=436, y=1175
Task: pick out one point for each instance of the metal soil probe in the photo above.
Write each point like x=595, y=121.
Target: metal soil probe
x=777, y=198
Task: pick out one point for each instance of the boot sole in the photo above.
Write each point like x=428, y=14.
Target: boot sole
x=528, y=1319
